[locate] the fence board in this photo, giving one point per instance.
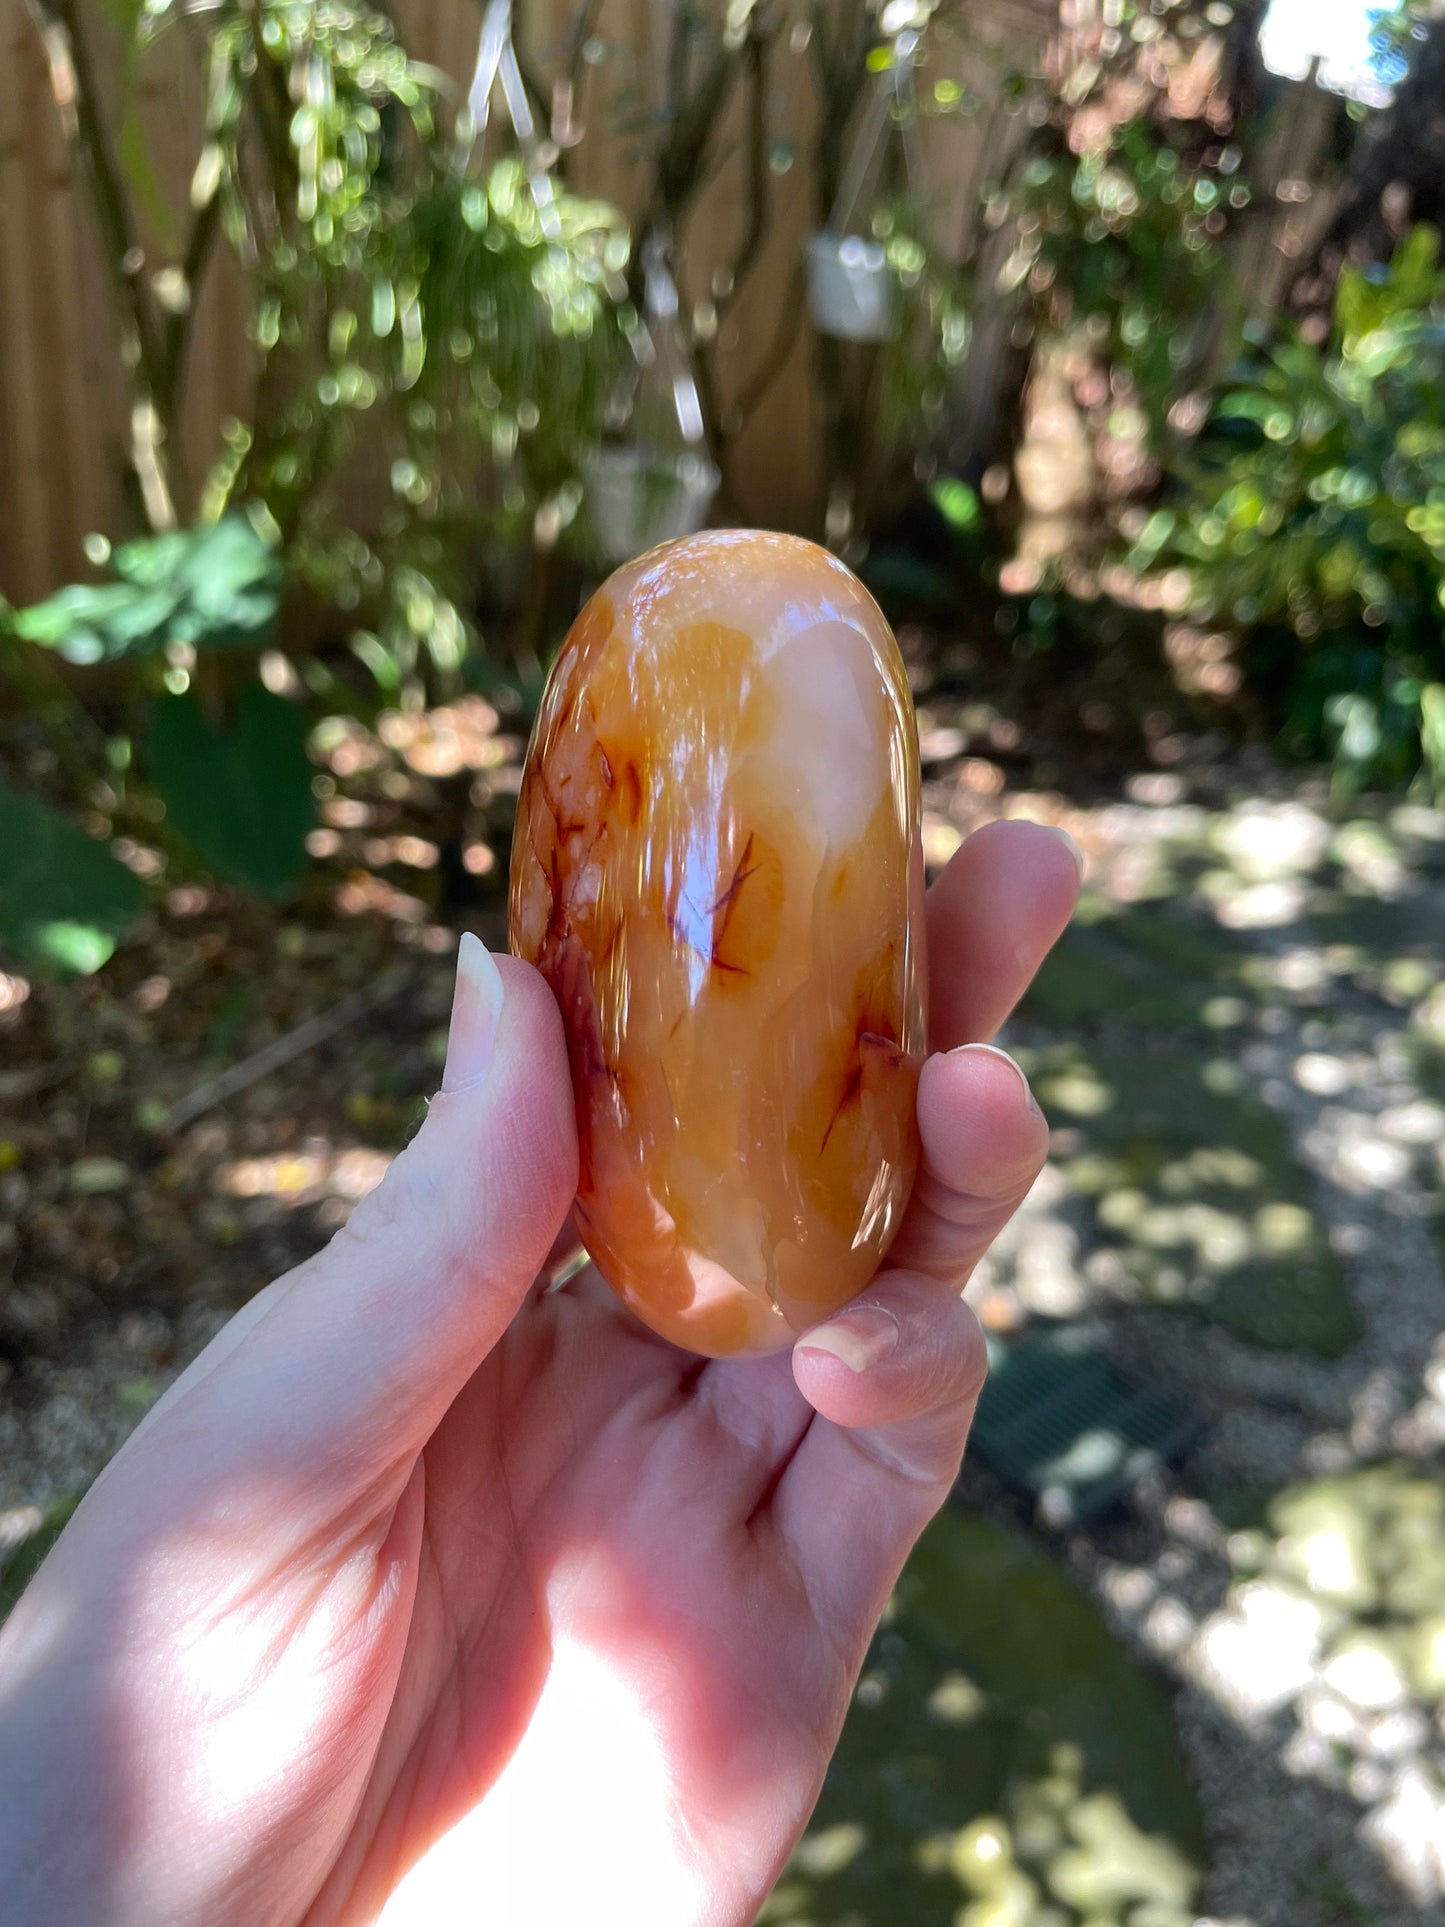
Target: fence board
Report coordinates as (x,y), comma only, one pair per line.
(62,396)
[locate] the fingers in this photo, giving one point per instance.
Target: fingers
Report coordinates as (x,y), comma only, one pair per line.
(354,1357)
(897,1373)
(993,915)
(900,1368)
(984,1141)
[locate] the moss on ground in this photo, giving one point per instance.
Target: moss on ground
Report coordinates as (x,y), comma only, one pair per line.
(1006,1763)
(1159,968)
(1190,1181)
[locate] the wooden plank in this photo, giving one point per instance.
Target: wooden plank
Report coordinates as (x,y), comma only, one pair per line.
(24,533)
(55,557)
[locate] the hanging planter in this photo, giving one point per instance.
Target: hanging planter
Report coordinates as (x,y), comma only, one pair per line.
(660,482)
(853,291)
(638,497)
(497,65)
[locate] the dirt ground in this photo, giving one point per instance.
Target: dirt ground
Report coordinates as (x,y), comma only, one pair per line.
(1240,1048)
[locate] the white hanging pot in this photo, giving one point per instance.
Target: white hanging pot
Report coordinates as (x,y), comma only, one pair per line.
(852,291)
(638,497)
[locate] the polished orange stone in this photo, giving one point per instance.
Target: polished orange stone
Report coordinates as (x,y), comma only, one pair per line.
(717,867)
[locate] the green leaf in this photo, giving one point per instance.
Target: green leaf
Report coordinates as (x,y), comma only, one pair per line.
(957,503)
(64,899)
(241,796)
(216,588)
(227,581)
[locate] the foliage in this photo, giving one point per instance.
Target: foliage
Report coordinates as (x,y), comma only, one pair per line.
(1122,243)
(218,586)
(64,899)
(449,324)
(437,333)
(934,331)
(1312,512)
(439,327)
(241,796)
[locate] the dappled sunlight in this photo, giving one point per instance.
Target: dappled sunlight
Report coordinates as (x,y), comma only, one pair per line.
(344,1174)
(1246,1126)
(1248,1117)
(1194,1196)
(1006,1764)
(1340,1622)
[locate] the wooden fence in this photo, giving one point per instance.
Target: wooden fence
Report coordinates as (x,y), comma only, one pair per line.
(63,402)
(63,396)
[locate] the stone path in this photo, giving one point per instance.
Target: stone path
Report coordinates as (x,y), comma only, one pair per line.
(1247,1187)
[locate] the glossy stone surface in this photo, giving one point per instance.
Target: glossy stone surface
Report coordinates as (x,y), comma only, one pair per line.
(717,868)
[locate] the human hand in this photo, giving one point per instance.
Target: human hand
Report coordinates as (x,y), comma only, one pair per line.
(427,1596)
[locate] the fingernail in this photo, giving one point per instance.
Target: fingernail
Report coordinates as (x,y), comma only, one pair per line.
(992,1050)
(860,1337)
(1069,844)
(476,1016)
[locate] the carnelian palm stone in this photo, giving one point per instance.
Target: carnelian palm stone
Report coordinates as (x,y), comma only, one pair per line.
(717,868)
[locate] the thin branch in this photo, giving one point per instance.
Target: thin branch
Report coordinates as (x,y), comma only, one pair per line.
(274,1057)
(72,82)
(580,34)
(750,247)
(273,110)
(781,348)
(180,324)
(756,51)
(680,175)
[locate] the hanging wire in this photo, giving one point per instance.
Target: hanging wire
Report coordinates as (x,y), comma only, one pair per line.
(497,62)
(661,305)
(659,345)
(892,99)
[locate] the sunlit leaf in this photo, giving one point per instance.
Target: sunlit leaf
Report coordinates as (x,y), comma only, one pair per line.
(216,588)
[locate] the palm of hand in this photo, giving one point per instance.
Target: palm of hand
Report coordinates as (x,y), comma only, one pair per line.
(612,1620)
(359,1627)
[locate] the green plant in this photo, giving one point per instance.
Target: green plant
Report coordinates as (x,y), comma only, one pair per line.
(240,796)
(432,357)
(1121,243)
(415,315)
(64,900)
(237,798)
(219,587)
(1311,514)
(435,335)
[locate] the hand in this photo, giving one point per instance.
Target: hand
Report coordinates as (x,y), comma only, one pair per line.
(426,1596)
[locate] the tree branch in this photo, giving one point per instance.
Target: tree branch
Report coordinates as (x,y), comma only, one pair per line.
(72,83)
(180,323)
(578,36)
(780,349)
(756,51)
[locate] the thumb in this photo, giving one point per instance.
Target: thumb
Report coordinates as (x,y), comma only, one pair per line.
(356,1355)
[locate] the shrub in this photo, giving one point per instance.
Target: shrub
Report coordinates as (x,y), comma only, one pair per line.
(1310,515)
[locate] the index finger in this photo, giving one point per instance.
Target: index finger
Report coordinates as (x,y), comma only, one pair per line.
(993,916)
